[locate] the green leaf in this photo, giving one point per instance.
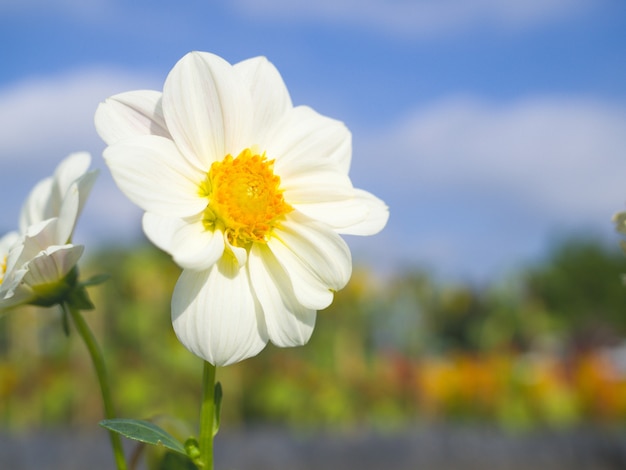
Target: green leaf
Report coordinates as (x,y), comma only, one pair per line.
(217,398)
(143,431)
(95,280)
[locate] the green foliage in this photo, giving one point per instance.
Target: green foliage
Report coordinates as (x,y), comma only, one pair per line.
(144,431)
(581,287)
(386,353)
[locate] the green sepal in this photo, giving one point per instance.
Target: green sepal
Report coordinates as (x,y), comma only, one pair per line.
(54,293)
(79,298)
(217,399)
(67,290)
(144,431)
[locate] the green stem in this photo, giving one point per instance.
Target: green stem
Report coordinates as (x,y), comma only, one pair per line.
(98,362)
(207,416)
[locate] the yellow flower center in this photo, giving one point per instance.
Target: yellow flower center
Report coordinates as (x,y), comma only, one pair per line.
(3,268)
(245,196)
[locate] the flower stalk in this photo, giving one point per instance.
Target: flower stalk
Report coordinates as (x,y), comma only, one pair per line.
(98,362)
(207,416)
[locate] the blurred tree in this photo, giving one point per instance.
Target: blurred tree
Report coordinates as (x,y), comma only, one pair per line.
(580,286)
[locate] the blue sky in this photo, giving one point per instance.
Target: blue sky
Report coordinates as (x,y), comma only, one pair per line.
(490,127)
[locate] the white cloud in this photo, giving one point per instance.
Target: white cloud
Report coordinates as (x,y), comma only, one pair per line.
(41,113)
(489,184)
(44,119)
(418,17)
(565,156)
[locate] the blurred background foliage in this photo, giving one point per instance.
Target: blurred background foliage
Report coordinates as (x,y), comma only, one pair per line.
(542,348)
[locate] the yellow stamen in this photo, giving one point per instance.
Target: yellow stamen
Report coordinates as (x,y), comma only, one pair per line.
(244,195)
(3,268)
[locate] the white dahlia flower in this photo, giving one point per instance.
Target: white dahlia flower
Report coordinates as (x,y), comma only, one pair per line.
(249,195)
(37,263)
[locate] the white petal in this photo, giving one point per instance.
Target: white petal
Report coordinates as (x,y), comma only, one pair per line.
(69,170)
(270,96)
(152,174)
(36,205)
(316,259)
(216,316)
(240,254)
(7,242)
(84,186)
(11,248)
(62,195)
(73,203)
(14,292)
(161,230)
(338,214)
(375,220)
(288,322)
(207,108)
(189,243)
(316,185)
(38,237)
(52,265)
(304,139)
(14,260)
(131,114)
(360,213)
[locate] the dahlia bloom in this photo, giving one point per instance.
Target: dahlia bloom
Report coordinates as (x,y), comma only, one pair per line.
(249,195)
(38,261)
